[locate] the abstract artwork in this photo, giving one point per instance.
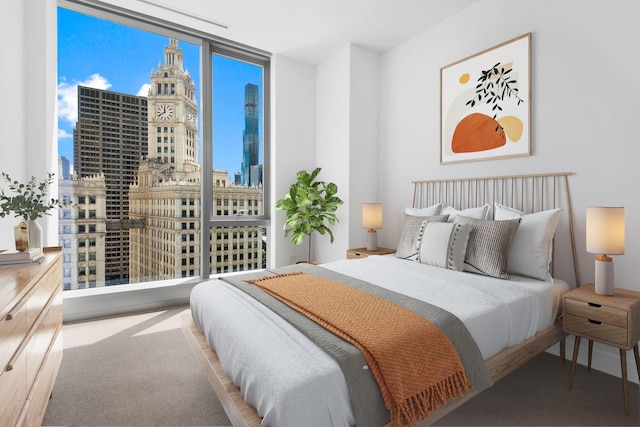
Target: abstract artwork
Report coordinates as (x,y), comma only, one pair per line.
(485,104)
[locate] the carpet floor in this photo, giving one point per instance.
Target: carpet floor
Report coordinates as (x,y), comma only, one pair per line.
(133,370)
(138,370)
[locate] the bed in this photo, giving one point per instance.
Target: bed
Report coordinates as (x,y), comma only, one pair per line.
(262,361)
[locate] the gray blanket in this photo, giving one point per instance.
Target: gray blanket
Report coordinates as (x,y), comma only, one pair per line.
(366,399)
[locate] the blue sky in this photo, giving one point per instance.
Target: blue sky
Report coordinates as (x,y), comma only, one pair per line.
(104,55)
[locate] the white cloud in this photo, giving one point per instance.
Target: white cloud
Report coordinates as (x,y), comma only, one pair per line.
(144,90)
(68,96)
(63,134)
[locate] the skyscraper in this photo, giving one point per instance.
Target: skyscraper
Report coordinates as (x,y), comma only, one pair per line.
(250,135)
(166,193)
(83,231)
(64,168)
(109,138)
(173,113)
(137,185)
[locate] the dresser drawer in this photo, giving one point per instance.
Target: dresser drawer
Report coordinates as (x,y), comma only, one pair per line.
(13,389)
(43,336)
(13,330)
(594,329)
(598,312)
(30,338)
(43,386)
(46,287)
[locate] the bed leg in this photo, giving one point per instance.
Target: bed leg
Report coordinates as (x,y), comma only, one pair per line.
(563,351)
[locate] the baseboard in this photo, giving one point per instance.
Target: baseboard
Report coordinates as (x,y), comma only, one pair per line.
(88,304)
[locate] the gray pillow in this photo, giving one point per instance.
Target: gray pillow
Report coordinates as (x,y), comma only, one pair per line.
(488,246)
(412,232)
(444,245)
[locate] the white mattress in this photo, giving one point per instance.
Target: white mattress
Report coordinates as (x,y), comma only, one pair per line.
(291,381)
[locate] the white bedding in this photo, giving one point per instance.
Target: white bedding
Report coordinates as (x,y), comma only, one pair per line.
(292,382)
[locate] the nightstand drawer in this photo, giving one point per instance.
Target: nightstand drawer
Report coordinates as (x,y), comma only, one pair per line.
(598,312)
(364,252)
(356,255)
(594,329)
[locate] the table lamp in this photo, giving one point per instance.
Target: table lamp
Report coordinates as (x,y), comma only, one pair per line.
(372,219)
(605,236)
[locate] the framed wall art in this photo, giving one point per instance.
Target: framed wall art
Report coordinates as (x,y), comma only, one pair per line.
(485,110)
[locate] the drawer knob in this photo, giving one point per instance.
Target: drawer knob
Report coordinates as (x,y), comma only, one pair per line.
(591,304)
(595,322)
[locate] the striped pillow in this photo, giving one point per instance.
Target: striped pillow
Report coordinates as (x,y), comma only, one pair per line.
(444,245)
(488,246)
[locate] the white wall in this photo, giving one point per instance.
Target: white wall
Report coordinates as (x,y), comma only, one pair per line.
(332,145)
(363,147)
(347,142)
(585,109)
(293,144)
(29,144)
(12,28)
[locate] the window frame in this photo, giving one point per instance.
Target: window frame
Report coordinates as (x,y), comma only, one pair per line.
(209,45)
(214,220)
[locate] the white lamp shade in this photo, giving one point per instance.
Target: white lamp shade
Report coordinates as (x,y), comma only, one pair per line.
(372,215)
(605,230)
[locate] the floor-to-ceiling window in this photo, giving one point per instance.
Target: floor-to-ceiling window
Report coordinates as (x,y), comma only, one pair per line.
(238,159)
(156,145)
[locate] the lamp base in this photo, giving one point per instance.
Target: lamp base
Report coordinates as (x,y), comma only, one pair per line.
(372,240)
(604,275)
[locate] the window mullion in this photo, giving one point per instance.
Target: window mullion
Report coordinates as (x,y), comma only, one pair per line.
(206,137)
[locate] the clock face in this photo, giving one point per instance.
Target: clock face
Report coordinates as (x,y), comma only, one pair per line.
(164,111)
(191,117)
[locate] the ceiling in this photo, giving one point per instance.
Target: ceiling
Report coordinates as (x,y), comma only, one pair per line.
(309,30)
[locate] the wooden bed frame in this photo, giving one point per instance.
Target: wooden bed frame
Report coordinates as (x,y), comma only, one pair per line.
(528,193)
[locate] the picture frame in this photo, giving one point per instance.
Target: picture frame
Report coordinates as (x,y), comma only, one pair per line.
(485,104)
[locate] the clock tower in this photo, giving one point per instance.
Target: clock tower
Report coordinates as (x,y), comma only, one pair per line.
(173,112)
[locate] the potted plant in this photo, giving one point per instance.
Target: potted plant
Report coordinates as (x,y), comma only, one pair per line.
(310,205)
(29,201)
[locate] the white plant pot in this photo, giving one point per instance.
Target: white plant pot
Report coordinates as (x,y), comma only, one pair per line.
(35,234)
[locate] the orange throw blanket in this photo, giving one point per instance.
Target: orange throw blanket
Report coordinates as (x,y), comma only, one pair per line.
(414,363)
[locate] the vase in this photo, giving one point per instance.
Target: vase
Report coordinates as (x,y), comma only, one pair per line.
(28,234)
(35,234)
(21,234)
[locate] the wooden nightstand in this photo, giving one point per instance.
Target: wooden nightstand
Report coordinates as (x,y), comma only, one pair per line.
(363,252)
(613,320)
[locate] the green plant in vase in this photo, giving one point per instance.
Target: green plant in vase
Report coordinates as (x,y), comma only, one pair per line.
(28,201)
(310,206)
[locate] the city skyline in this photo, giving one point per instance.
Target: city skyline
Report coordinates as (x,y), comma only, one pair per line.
(138,214)
(96,53)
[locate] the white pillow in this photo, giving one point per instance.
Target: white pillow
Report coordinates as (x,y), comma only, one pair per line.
(428,211)
(531,252)
(481,212)
(444,245)
(412,228)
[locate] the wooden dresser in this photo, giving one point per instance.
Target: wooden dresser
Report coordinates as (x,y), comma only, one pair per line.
(30,338)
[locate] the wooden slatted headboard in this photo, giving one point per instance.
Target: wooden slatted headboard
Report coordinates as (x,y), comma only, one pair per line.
(527,193)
